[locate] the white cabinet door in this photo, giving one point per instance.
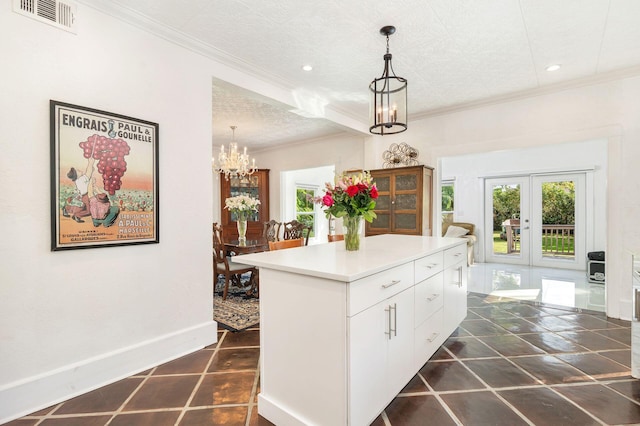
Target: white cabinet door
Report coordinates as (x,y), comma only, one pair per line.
(400,344)
(455,296)
(380,355)
(367,364)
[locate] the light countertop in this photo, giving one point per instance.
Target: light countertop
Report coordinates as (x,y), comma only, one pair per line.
(332,261)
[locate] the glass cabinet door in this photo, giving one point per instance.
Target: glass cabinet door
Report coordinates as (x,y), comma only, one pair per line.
(247,185)
(406,202)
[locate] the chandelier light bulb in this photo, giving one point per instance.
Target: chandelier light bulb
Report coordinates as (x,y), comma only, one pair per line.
(232,163)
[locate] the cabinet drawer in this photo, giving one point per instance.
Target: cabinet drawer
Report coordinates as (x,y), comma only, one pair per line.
(428,266)
(368,291)
(428,297)
(455,255)
(428,337)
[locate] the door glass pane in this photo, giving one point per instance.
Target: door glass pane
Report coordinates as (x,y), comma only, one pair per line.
(381,221)
(246,185)
(383,183)
(506,219)
(383,202)
(406,202)
(406,221)
(558,219)
(406,182)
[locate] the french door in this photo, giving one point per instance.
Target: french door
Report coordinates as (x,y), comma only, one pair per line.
(537,220)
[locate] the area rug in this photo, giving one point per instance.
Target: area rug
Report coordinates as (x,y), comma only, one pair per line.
(238,311)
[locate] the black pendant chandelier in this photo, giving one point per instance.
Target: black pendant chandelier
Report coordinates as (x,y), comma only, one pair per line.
(389,103)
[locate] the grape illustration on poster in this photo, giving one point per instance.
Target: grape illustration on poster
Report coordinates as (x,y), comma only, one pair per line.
(105,189)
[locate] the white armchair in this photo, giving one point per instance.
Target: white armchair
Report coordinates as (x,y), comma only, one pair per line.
(469,236)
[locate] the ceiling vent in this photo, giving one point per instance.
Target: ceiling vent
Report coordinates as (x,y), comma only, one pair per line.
(59,13)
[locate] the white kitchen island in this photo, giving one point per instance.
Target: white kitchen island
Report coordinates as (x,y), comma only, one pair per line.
(341,333)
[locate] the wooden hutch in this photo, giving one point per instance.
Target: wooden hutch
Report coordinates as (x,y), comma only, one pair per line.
(255,185)
(405,201)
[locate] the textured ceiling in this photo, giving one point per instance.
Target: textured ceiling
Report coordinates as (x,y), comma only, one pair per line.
(453,52)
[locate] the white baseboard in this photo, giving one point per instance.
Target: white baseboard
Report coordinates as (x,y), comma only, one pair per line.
(31,394)
(277,414)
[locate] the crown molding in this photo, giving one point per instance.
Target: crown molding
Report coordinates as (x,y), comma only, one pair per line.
(192,44)
(545,90)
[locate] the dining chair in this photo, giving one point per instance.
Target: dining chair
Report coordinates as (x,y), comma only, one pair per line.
(335,237)
(285,244)
(224,265)
(271,231)
(294,230)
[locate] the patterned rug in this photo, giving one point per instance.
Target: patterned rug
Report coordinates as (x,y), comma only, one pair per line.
(238,311)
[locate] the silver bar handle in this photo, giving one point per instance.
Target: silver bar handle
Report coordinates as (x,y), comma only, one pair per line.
(433,337)
(430,266)
(395,321)
(636,304)
(388,311)
(460,276)
(392,283)
(433,297)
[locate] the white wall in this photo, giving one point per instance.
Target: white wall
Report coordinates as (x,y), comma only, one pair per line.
(470,170)
(345,152)
(71,321)
(605,110)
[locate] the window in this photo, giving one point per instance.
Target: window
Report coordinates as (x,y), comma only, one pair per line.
(447,190)
(305,207)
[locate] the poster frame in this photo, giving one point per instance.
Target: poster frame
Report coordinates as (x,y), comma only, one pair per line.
(131,223)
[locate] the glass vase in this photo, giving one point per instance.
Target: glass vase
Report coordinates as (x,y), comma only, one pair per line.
(351,227)
(242,230)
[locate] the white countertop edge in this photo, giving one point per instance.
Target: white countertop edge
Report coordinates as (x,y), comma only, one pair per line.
(286,262)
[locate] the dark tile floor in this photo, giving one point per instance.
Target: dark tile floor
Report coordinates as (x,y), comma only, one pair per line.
(509,363)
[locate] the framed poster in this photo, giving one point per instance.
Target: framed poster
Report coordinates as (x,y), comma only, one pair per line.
(104,179)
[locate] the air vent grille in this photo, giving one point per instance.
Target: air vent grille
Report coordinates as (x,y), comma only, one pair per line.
(59,13)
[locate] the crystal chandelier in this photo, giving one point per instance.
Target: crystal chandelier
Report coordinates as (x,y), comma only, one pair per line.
(389,97)
(232,163)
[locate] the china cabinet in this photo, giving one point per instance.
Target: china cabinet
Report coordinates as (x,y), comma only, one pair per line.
(404,204)
(255,185)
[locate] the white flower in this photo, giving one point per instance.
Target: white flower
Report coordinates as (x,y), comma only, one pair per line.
(241,203)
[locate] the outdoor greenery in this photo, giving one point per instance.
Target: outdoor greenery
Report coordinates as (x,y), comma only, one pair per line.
(549,245)
(305,211)
(447,198)
(558,203)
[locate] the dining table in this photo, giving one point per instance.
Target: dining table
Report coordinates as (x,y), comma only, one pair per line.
(234,247)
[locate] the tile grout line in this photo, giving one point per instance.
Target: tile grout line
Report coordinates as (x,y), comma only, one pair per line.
(253,395)
(552,388)
(214,352)
(543,385)
(444,405)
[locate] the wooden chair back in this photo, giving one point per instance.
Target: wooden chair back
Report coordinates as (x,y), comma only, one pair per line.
(336,237)
(294,230)
(271,230)
(223,266)
(285,244)
(219,254)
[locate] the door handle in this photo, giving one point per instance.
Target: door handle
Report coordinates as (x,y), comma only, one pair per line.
(636,304)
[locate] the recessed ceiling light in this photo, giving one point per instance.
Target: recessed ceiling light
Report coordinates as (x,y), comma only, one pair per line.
(553,67)
(307,67)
